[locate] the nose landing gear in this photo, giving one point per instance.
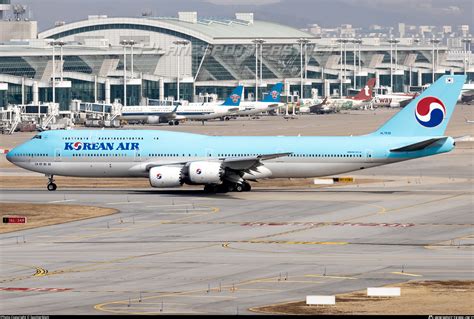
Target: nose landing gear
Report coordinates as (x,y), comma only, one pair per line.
(51,185)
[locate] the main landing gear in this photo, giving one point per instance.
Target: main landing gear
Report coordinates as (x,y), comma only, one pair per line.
(228,187)
(51,185)
(175,122)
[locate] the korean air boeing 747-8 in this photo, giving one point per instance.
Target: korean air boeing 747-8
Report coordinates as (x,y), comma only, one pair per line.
(227,163)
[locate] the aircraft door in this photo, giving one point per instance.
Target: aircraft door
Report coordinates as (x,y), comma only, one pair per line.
(57,155)
(369,155)
(137,156)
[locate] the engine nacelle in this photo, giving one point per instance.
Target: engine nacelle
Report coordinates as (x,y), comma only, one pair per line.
(394,104)
(166,176)
(205,172)
(258,173)
(153,119)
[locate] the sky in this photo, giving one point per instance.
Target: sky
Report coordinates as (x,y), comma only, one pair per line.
(297,13)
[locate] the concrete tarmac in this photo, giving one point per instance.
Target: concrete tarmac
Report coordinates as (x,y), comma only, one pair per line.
(187,252)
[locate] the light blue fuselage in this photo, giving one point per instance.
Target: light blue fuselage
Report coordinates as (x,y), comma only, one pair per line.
(128,153)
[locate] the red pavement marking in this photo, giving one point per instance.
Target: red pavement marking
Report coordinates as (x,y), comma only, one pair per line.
(34,289)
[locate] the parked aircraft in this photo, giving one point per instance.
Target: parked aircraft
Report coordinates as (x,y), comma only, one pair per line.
(173,114)
(467,93)
(318,108)
(393,99)
(212,110)
(363,98)
(269,103)
(152,114)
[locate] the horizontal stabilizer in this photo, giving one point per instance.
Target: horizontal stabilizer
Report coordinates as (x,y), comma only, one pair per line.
(419,146)
(464,138)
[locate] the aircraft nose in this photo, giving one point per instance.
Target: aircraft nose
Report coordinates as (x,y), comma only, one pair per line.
(9,156)
(12,154)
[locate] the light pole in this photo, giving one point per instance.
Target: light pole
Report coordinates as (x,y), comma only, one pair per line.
(417,42)
(256,70)
(340,69)
(354,42)
(358,42)
(54,72)
(257,42)
(302,42)
(125,43)
(466,48)
(131,43)
(261,60)
(61,44)
(434,67)
(345,60)
(178,43)
(342,74)
(54,44)
(392,41)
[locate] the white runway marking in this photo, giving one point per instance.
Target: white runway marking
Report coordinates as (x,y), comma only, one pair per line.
(185,213)
(155,206)
(62,201)
(191,209)
(121,203)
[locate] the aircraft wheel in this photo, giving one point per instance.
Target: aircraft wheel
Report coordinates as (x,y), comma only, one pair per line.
(223,188)
(170,123)
(247,187)
(52,187)
(176,122)
(238,188)
(209,188)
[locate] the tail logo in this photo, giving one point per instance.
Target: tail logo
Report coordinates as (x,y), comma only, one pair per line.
(366,91)
(235,98)
(274,94)
(430,111)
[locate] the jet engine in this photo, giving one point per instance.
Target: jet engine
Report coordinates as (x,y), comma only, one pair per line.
(395,104)
(166,176)
(153,119)
(257,173)
(205,172)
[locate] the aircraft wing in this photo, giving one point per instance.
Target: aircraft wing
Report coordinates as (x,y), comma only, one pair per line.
(171,114)
(239,163)
(419,145)
(247,162)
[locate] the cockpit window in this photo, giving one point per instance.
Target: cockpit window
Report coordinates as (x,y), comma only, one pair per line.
(36,136)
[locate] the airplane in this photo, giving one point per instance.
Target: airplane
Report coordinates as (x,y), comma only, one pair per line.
(152,114)
(363,98)
(467,93)
(179,111)
(228,163)
(212,110)
(269,103)
(393,99)
(318,108)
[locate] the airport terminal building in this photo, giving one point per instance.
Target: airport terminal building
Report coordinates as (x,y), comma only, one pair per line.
(209,55)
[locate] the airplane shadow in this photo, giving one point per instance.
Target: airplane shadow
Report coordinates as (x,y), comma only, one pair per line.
(200,193)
